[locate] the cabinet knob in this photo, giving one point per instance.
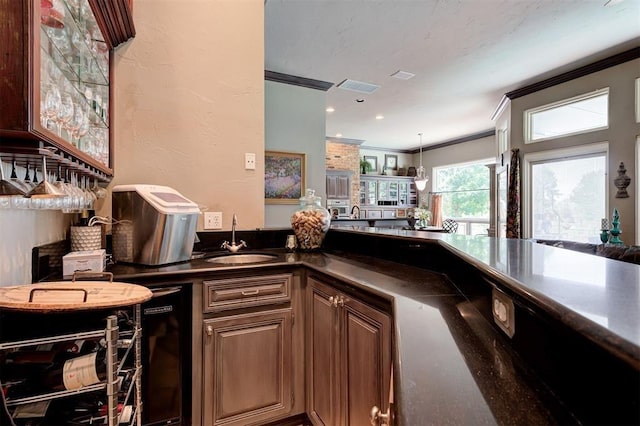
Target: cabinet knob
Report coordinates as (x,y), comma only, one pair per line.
(209,330)
(378,418)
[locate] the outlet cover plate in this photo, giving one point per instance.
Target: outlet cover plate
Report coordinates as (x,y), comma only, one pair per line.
(250,161)
(503,312)
(212,220)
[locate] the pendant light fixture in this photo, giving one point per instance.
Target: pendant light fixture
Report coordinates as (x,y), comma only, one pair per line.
(420,179)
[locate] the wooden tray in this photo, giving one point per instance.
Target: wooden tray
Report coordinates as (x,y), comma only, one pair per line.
(72,296)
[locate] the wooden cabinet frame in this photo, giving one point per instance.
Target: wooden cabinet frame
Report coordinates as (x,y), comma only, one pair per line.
(349,357)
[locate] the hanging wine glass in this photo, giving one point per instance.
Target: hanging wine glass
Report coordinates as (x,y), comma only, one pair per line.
(8,191)
(89,194)
(62,202)
(27,179)
(98,190)
(44,193)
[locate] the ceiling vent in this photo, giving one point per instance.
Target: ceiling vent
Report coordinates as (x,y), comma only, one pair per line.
(358,86)
(402,75)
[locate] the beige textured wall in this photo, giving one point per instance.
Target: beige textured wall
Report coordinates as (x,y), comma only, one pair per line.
(189,103)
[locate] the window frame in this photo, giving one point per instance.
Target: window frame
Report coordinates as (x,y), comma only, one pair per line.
(556,155)
(528,115)
(467,222)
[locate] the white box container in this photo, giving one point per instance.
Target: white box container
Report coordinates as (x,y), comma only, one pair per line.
(83,261)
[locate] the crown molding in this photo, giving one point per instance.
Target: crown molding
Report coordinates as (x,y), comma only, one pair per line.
(600,65)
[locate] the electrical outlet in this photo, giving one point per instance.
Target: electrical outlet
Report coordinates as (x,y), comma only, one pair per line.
(503,312)
(249,161)
(212,220)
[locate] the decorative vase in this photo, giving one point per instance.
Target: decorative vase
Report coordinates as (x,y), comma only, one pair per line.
(604,236)
(622,182)
(615,229)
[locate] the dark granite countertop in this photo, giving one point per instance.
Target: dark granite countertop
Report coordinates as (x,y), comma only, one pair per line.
(451,365)
(598,296)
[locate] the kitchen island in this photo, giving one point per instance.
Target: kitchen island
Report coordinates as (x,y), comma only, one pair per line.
(574,351)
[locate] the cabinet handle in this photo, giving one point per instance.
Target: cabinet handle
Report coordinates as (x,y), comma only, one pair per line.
(250,293)
(336,301)
(378,418)
(209,330)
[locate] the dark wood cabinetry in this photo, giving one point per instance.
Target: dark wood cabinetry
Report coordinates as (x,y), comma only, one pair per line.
(349,357)
(55,57)
(248,367)
(252,349)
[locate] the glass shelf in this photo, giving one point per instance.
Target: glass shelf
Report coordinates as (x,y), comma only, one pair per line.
(74,78)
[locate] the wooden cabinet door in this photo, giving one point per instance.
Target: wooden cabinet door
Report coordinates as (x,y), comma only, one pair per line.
(365,361)
(349,358)
(323,375)
(247,368)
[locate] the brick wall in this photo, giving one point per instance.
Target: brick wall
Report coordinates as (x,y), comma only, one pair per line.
(341,156)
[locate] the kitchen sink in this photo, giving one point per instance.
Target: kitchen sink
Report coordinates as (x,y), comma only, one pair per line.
(235,259)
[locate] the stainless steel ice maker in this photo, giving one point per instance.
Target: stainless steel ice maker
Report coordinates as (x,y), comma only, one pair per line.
(155,225)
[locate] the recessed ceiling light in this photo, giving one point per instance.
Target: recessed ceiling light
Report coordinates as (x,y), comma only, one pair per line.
(359,100)
(330,109)
(338,135)
(403,75)
(379,117)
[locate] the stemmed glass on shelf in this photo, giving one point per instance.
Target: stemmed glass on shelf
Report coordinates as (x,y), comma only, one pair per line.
(65,113)
(73,125)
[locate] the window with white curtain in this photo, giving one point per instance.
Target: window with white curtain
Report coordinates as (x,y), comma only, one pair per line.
(580,114)
(565,193)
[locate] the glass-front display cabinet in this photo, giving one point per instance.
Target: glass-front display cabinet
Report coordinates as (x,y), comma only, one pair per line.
(368,192)
(55,97)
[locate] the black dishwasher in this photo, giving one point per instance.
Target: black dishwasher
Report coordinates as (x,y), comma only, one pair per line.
(166,388)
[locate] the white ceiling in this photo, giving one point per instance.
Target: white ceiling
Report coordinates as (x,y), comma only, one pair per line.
(466,55)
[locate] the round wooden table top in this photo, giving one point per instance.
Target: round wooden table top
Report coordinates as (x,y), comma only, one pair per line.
(72,296)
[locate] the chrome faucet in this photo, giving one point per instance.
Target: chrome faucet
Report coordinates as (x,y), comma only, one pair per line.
(353,215)
(233,247)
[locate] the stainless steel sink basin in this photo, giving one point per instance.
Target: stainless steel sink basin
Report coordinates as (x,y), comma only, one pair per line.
(235,259)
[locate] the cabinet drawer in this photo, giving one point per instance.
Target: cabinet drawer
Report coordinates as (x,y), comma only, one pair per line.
(235,293)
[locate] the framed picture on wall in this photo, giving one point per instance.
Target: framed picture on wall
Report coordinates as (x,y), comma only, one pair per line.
(373,162)
(391,161)
(284,177)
